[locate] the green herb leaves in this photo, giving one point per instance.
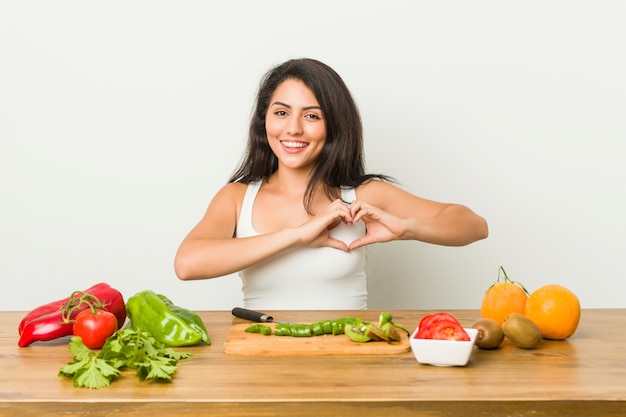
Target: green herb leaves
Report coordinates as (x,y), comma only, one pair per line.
(131,348)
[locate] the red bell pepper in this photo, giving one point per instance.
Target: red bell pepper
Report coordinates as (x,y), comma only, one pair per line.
(48,322)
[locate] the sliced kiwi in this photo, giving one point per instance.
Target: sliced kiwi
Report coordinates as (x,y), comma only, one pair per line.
(490,333)
(376,334)
(357,332)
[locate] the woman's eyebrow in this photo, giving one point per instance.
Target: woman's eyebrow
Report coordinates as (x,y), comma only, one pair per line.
(280,103)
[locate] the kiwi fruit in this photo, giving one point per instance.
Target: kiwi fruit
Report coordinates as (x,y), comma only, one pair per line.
(357,332)
(522,331)
(490,333)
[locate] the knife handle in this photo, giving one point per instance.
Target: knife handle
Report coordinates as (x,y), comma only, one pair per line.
(244,313)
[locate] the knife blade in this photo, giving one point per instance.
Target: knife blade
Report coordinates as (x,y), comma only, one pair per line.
(244,313)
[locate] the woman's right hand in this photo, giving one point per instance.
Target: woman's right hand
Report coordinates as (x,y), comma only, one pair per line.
(315,232)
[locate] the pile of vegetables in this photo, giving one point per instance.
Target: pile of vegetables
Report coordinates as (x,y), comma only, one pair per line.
(355,328)
(95,319)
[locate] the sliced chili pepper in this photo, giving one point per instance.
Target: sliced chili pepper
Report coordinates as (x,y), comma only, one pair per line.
(301,330)
(282,329)
(259,328)
(317,329)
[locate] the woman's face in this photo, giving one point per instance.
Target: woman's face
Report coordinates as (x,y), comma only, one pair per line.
(295,126)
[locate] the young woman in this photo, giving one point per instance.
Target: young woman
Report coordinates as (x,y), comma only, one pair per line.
(296,215)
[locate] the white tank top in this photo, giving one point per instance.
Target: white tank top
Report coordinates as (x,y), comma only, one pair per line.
(305,278)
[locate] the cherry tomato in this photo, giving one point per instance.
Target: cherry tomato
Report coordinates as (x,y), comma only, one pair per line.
(449,330)
(94,329)
(427,324)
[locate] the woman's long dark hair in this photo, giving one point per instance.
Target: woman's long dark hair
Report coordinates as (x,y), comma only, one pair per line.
(341,162)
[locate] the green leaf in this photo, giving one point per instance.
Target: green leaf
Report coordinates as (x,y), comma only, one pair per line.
(97,374)
(73,367)
(79,350)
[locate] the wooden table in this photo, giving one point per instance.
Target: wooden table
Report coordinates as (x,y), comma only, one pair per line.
(583,376)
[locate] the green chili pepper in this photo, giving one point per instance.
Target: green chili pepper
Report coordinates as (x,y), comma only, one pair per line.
(282,329)
(317,329)
(259,328)
(301,330)
(190,317)
(332,327)
(149,312)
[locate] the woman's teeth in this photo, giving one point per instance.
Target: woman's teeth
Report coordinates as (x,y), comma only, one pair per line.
(294,144)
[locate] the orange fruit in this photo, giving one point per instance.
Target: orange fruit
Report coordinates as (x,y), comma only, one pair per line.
(555,310)
(503,298)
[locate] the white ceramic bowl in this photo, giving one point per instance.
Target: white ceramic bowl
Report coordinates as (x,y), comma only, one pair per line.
(443,352)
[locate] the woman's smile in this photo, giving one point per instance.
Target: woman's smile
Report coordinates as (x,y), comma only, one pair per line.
(293,146)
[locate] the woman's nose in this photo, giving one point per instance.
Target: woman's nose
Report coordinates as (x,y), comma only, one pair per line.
(294,125)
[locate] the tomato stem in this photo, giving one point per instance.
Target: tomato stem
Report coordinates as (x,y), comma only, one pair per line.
(77,299)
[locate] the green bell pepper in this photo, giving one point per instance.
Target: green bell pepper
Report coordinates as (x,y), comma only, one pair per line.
(190,317)
(169,324)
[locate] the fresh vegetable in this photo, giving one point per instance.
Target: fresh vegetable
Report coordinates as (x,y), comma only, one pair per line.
(169,324)
(426,324)
(94,326)
(449,330)
(334,327)
(128,348)
(259,328)
(355,328)
(190,317)
(441,326)
(52,321)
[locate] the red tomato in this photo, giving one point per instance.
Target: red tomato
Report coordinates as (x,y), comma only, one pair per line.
(449,330)
(94,329)
(428,322)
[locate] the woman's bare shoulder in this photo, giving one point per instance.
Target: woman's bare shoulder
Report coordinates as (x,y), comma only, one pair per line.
(374,186)
(233,191)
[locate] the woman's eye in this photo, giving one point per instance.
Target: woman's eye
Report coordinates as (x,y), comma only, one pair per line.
(312,116)
(280,113)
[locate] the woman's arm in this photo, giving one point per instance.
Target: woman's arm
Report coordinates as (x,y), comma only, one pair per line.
(391,213)
(211,250)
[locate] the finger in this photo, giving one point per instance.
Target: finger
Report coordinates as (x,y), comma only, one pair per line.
(344,212)
(336,244)
(360,242)
(361,212)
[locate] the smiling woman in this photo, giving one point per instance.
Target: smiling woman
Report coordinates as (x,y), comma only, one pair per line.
(297,214)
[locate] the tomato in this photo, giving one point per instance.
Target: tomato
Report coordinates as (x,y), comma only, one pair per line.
(449,330)
(428,322)
(95,328)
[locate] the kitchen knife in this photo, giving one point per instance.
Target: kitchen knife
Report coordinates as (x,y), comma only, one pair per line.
(244,313)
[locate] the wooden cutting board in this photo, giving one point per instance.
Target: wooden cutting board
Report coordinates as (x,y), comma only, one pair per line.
(239,342)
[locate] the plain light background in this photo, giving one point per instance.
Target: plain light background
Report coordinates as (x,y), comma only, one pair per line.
(120,120)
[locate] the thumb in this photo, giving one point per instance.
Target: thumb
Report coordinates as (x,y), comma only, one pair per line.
(362,241)
(337,244)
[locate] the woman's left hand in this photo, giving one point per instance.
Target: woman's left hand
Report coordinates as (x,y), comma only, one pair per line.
(380,225)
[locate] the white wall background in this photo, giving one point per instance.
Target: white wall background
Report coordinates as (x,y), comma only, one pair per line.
(120,120)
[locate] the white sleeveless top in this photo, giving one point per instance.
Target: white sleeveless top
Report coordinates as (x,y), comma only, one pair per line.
(305,278)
